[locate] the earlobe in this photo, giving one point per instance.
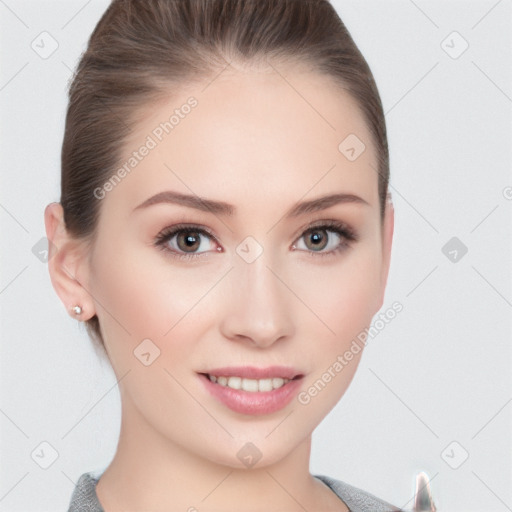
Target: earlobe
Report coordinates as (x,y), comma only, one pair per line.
(66,265)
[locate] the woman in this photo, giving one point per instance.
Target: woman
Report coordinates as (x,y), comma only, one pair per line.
(225,232)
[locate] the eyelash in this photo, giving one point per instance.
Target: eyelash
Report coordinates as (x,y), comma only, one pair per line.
(348,235)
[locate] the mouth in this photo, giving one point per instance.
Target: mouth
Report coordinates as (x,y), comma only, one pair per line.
(250,385)
(253,391)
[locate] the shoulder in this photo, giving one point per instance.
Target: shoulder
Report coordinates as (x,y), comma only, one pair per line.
(84,498)
(356,499)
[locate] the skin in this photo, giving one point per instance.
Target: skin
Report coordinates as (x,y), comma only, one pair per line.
(255,143)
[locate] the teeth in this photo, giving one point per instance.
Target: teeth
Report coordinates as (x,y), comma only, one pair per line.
(251,385)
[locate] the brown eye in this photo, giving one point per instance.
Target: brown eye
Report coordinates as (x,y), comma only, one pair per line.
(188,241)
(326,239)
(316,239)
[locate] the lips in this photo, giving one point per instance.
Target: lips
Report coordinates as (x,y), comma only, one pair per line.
(265,400)
(252,372)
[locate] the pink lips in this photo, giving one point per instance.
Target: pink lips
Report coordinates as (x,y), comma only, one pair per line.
(251,372)
(254,403)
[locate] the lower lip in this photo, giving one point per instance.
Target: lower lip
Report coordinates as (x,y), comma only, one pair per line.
(253,403)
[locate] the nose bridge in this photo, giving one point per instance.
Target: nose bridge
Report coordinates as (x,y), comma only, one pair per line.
(259,306)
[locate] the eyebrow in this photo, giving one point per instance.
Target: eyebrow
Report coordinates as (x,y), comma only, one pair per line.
(226,209)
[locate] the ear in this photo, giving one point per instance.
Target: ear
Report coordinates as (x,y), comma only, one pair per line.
(388,227)
(67,264)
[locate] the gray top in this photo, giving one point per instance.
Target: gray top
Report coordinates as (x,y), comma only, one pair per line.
(84,497)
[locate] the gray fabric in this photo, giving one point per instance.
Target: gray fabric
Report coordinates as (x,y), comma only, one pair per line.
(356,499)
(84,498)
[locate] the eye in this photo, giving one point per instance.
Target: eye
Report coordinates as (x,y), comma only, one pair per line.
(185,241)
(326,239)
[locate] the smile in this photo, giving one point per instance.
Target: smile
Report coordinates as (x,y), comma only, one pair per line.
(250,385)
(252,396)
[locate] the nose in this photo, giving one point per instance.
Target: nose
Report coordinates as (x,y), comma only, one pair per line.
(258,305)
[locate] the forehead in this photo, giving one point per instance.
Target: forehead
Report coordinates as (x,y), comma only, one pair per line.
(259,135)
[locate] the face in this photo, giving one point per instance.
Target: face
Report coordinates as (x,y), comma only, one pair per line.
(253,279)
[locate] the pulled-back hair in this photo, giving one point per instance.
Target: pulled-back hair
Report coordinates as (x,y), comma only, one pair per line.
(141,49)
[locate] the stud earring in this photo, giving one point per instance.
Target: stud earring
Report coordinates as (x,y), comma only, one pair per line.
(77,310)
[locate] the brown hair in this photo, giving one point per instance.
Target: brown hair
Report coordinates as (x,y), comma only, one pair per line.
(141,48)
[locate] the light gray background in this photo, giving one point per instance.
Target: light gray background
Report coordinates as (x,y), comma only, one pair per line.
(439,372)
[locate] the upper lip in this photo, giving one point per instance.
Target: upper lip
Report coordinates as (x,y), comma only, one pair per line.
(252,372)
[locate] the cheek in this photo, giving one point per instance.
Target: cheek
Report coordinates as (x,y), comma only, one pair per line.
(345,296)
(145,293)
(345,299)
(144,296)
